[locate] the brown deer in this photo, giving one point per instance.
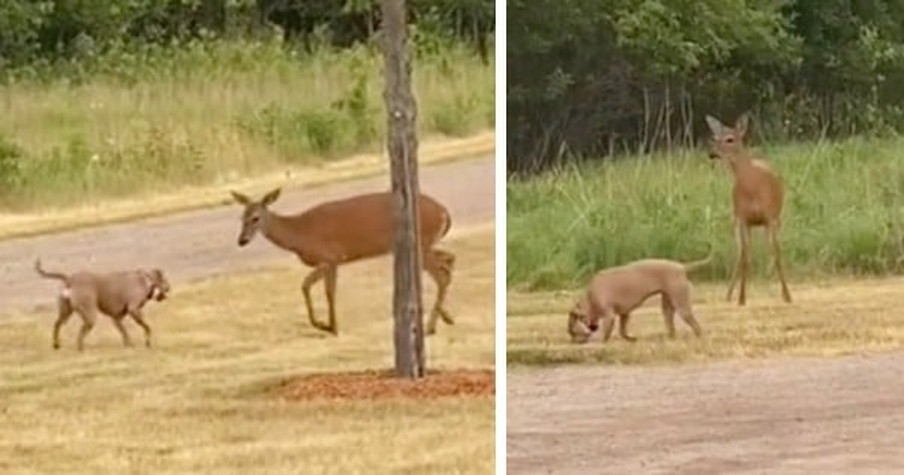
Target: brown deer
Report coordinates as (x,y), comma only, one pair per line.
(347,230)
(757,198)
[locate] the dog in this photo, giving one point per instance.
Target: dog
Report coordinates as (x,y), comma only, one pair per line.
(114,294)
(617,291)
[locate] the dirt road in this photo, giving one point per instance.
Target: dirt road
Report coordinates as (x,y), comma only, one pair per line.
(202,243)
(841,415)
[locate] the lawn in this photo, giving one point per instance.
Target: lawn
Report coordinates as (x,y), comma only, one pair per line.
(199,401)
(829,317)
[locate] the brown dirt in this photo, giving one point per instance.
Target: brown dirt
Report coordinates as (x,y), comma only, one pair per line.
(200,244)
(801,415)
(382,384)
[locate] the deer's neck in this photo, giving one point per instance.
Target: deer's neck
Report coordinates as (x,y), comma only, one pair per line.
(282,232)
(741,165)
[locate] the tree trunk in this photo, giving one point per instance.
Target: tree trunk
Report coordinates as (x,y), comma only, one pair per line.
(402,147)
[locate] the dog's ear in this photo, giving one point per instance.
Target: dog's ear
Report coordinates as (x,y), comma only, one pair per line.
(159,275)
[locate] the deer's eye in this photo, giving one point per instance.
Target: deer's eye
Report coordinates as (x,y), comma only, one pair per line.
(729,140)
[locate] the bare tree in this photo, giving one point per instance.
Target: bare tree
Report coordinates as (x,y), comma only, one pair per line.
(402,144)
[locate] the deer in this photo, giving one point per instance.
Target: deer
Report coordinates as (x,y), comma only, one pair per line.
(757,200)
(343,231)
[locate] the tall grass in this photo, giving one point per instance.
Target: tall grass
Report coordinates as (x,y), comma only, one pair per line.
(844,213)
(160,117)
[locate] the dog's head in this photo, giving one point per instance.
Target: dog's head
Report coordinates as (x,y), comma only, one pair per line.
(254,213)
(158,284)
(580,324)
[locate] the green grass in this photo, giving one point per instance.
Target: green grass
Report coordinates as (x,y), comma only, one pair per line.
(197,402)
(828,318)
(844,214)
(133,122)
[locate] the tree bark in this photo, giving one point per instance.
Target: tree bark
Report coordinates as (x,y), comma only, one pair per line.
(402,147)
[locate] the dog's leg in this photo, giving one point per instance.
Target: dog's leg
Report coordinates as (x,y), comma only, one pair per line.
(682,302)
(608,325)
(126,341)
(64,311)
(139,319)
(88,319)
(623,327)
(668,313)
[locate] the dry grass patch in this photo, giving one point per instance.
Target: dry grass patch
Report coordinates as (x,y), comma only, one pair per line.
(828,318)
(199,402)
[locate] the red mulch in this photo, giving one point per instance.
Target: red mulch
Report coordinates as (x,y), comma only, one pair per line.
(382,384)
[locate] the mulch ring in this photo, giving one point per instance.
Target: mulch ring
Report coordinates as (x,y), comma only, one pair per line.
(383,384)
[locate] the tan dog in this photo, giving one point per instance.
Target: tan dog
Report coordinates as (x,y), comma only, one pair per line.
(617,291)
(115,294)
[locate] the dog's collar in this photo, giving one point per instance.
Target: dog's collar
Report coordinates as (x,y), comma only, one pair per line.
(149,283)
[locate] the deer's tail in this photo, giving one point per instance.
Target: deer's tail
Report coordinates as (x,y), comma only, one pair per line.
(692,266)
(50,275)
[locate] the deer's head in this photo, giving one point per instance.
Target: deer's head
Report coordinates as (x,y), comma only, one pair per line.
(726,141)
(254,213)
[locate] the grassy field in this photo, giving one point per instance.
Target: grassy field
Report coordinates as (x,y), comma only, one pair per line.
(208,113)
(844,214)
(833,316)
(196,403)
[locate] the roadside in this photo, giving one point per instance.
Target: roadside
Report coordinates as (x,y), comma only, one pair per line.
(436,151)
(202,243)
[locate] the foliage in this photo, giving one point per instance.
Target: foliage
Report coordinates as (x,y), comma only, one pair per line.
(52,30)
(596,77)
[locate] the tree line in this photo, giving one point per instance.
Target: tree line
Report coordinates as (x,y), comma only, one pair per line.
(53,30)
(611,77)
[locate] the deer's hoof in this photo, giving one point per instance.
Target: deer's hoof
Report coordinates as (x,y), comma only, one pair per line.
(446,316)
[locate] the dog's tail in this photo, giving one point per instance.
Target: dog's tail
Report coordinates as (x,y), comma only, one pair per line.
(50,275)
(692,266)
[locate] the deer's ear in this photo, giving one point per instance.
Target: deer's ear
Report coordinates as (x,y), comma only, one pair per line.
(741,124)
(240,198)
(271,197)
(714,125)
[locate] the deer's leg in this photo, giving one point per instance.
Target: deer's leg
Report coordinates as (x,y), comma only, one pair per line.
(330,275)
(742,238)
(772,232)
(439,265)
(309,281)
(64,311)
